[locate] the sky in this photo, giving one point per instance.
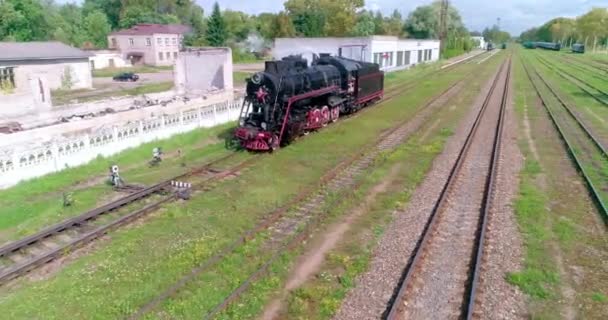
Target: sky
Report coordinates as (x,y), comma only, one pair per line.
(515,15)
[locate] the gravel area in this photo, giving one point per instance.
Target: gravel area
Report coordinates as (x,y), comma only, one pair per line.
(374,288)
(504,248)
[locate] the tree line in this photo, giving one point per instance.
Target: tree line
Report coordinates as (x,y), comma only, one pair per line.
(88,24)
(590,29)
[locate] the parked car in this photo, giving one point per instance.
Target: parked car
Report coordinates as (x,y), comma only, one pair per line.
(126,76)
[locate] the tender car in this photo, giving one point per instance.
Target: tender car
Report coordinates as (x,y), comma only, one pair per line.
(126,76)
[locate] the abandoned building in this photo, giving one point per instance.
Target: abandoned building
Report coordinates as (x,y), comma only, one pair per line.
(203,70)
(29,70)
(151,44)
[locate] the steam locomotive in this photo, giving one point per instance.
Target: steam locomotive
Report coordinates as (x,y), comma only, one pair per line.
(290,98)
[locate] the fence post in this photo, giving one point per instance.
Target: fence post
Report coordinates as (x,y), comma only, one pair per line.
(200,116)
(214,114)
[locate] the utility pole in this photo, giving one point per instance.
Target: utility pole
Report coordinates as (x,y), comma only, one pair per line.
(443,32)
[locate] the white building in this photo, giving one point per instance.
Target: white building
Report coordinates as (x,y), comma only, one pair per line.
(151,44)
(480,41)
(202,70)
(108,59)
(390,52)
(29,70)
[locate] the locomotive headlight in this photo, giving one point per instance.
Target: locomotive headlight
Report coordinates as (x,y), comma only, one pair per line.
(263,124)
(257,78)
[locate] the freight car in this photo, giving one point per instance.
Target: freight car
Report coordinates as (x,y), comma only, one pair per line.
(549,45)
(490,46)
(578,48)
(290,98)
(529,45)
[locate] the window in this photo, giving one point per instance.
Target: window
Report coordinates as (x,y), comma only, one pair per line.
(390,59)
(377,58)
(131,41)
(168,54)
(160,56)
(148,42)
(419,56)
(174,41)
(399,58)
(166,41)
(7,77)
(407,58)
(114,44)
(159,41)
(175,55)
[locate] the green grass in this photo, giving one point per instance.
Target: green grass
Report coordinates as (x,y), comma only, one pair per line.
(61,97)
(140,262)
(38,201)
(563,237)
(239,77)
(539,277)
(110,72)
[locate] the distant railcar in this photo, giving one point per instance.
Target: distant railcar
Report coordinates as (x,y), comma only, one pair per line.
(529,45)
(555,46)
(503,46)
(490,46)
(578,48)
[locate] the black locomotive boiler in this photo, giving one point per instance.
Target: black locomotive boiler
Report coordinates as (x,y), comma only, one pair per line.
(290,98)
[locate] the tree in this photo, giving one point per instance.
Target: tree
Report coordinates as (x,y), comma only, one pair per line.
(111,8)
(423,22)
(26,20)
(98,27)
(394,24)
(238,25)
(216,28)
(379,23)
(265,24)
(314,18)
(365,25)
(283,27)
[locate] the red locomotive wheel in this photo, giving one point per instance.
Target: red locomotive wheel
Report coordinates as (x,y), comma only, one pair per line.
(325,116)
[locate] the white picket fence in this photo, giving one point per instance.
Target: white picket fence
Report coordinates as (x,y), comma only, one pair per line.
(17,164)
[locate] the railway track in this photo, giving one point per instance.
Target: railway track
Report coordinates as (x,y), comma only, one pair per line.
(292,223)
(24,255)
(585,86)
(585,148)
(441,277)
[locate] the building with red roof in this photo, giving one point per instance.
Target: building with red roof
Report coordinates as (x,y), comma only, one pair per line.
(151,44)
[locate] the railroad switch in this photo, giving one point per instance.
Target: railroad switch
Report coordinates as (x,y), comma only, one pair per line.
(115,179)
(183,190)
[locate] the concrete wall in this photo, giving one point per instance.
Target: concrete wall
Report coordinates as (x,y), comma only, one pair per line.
(151,46)
(198,71)
(53,71)
(107,58)
(22,161)
(358,48)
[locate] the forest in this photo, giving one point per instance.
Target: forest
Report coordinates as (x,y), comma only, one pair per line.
(590,29)
(88,24)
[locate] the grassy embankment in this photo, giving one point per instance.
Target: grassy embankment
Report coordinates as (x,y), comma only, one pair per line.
(564,238)
(141,261)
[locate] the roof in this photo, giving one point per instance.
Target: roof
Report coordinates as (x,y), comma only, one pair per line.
(12,51)
(150,29)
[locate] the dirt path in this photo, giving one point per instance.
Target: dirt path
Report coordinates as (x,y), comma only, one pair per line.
(310,263)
